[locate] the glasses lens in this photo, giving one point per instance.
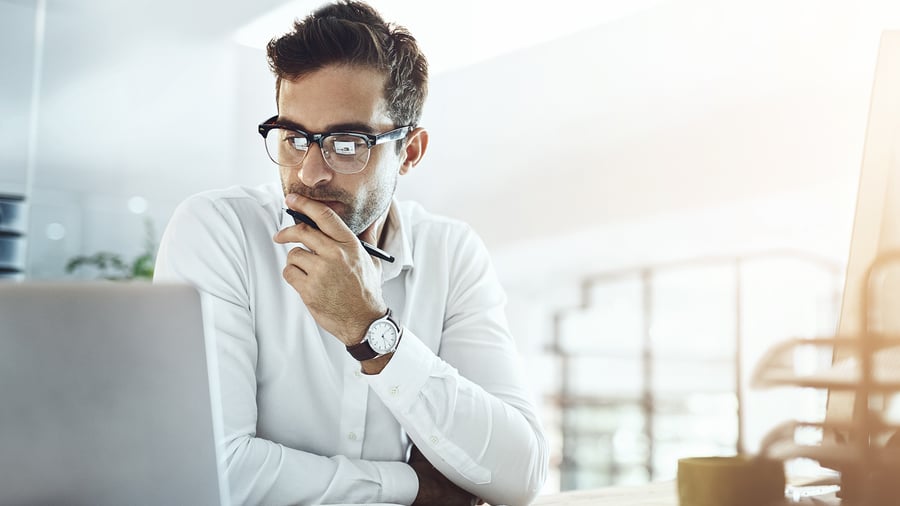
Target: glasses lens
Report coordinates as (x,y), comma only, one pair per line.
(347,154)
(286,147)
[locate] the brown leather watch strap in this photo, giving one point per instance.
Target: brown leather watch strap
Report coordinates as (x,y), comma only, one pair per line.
(362,351)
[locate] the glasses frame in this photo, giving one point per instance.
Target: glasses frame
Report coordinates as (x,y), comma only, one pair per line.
(371,140)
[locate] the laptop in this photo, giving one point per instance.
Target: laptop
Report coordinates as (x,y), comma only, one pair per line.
(106,396)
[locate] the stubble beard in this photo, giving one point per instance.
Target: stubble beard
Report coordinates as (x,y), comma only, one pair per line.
(358,216)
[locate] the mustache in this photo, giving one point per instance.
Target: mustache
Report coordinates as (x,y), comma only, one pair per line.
(320,193)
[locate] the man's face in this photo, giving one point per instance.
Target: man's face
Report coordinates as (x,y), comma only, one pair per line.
(346,99)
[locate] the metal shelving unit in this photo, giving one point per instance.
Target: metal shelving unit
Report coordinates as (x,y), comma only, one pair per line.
(616,438)
(865,447)
(12,237)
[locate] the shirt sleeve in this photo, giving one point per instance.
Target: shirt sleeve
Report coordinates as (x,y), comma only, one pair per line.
(467,407)
(203,246)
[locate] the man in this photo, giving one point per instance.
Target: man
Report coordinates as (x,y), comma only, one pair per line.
(346,378)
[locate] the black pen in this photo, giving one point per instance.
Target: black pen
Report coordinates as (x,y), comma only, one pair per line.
(372,250)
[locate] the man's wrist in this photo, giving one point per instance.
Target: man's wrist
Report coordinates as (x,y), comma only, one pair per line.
(376,365)
(357,333)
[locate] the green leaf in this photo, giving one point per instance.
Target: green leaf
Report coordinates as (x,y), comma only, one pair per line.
(143,266)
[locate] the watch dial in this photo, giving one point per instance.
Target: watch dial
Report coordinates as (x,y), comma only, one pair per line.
(382,337)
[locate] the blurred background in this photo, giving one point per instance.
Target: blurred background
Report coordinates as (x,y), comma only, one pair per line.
(666,186)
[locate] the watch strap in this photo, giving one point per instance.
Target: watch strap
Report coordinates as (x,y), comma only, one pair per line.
(362,351)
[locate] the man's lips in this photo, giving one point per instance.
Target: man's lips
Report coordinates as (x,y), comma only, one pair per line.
(328,202)
(333,204)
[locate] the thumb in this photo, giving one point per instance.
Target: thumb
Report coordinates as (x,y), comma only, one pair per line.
(368,235)
(374,231)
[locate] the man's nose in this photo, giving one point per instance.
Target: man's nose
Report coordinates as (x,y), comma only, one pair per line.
(314,170)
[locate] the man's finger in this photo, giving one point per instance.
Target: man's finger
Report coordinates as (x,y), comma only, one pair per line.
(325,218)
(301,233)
(302,259)
(293,274)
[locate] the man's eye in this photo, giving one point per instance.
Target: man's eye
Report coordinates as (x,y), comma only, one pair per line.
(345,147)
(297,142)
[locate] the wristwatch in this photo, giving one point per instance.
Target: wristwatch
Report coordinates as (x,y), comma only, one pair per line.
(381,338)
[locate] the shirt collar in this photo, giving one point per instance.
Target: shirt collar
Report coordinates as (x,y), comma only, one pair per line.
(396,242)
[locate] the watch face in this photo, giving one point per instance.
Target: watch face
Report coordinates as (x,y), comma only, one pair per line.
(382,337)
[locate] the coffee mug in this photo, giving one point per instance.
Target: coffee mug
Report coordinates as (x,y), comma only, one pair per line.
(730,481)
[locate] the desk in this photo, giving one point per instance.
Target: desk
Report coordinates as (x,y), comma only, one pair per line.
(655,494)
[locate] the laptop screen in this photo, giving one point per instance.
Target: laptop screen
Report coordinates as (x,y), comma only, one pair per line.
(105,396)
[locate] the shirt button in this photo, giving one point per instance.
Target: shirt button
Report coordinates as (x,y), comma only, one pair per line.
(351,436)
(434,440)
(358,374)
(395,390)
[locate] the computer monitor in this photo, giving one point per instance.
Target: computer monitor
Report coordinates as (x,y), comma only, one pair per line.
(873,304)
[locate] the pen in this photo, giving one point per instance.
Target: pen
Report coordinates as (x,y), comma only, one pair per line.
(370,249)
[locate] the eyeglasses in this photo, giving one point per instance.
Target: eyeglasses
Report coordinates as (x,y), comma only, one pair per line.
(344,152)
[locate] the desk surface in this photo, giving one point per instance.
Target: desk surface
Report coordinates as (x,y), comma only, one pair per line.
(654,494)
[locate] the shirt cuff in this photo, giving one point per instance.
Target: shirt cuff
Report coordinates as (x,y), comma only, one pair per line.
(399,383)
(399,483)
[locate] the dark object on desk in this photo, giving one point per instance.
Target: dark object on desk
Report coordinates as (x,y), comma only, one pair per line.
(872,480)
(372,250)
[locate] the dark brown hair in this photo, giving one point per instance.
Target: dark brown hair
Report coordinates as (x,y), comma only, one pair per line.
(353,33)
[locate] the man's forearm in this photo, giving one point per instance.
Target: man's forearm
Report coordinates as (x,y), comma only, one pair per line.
(480,442)
(376,365)
(434,487)
(262,472)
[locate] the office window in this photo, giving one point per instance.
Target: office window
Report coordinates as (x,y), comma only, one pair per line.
(648,368)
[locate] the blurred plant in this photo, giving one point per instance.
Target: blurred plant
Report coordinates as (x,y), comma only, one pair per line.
(111,265)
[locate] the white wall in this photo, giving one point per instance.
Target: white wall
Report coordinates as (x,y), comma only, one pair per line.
(16,54)
(137,99)
(688,106)
(692,127)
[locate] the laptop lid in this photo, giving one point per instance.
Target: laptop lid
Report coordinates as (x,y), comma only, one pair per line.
(105,396)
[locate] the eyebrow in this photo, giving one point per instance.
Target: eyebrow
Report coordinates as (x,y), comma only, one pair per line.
(338,127)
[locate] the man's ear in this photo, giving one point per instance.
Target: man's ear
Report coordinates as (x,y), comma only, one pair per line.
(416,144)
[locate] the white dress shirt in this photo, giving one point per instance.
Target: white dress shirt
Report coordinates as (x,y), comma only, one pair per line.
(302,424)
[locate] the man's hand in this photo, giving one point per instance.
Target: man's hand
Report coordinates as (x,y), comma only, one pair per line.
(434,487)
(337,280)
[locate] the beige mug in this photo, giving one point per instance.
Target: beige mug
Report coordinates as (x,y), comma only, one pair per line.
(730,481)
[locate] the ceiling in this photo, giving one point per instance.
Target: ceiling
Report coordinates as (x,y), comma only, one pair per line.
(471,31)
